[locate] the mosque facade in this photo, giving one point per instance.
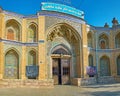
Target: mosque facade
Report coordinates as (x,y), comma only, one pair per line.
(56,48)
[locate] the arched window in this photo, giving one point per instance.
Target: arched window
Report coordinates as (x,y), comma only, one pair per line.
(118,65)
(89,40)
(10,34)
(117,41)
(11,65)
(32,33)
(105,66)
(32,58)
(13,30)
(90,57)
(103,42)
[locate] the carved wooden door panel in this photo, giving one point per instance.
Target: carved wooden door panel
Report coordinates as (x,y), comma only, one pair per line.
(65,64)
(55,70)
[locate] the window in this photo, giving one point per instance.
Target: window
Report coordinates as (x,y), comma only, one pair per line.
(103,42)
(89,40)
(13,30)
(117,41)
(32,58)
(90,60)
(32,33)
(10,34)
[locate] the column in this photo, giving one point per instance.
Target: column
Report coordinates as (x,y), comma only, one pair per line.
(42,48)
(85,49)
(2,54)
(23,63)
(2,59)
(2,25)
(24,51)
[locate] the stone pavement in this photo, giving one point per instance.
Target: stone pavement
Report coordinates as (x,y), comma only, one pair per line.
(64,90)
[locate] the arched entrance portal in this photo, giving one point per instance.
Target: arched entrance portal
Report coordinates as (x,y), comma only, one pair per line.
(61,66)
(64,55)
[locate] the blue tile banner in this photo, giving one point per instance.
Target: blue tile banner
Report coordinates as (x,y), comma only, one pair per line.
(32,71)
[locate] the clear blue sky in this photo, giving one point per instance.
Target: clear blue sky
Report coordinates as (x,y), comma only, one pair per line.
(97,12)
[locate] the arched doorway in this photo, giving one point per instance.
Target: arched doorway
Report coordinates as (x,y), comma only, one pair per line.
(68,52)
(11,65)
(61,66)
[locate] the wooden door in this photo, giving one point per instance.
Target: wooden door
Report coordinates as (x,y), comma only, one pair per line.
(65,64)
(61,71)
(55,70)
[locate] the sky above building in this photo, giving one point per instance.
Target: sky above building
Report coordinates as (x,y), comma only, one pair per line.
(97,12)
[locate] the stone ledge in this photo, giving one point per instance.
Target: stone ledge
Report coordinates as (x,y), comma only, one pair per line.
(94,80)
(83,81)
(106,80)
(48,83)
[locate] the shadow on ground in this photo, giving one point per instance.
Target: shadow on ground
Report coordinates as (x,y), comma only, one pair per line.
(101,93)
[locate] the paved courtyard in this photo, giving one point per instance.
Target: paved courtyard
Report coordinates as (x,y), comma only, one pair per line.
(65,90)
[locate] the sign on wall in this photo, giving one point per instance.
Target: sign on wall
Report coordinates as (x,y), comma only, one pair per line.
(62,8)
(91,70)
(32,71)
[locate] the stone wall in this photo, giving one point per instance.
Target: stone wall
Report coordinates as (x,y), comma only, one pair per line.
(117,79)
(88,81)
(94,80)
(83,81)
(106,80)
(26,83)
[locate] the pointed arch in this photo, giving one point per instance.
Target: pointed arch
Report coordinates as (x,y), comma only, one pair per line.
(11,65)
(103,41)
(89,40)
(13,30)
(90,61)
(105,66)
(66,29)
(118,65)
(32,58)
(62,33)
(61,49)
(32,32)
(117,40)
